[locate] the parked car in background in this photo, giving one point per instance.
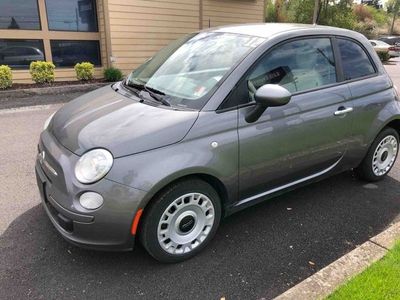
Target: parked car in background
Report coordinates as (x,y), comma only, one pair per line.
(391,40)
(217,121)
(380,46)
(17,56)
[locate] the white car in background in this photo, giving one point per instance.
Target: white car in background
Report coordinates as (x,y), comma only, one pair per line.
(380,46)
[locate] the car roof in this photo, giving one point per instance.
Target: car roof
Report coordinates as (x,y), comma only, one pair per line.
(266,30)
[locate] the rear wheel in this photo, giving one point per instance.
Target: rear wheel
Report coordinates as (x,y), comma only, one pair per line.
(380,157)
(181,221)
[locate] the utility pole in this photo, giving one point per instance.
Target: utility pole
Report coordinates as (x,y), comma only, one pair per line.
(316,10)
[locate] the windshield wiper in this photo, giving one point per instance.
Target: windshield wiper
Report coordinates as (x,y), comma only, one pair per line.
(154,93)
(157,95)
(134,89)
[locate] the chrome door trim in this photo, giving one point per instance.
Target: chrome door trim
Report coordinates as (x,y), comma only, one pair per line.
(282,187)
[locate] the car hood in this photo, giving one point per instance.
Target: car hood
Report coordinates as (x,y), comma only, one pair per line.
(106,119)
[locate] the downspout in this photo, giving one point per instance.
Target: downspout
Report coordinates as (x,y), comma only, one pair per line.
(107,32)
(200,14)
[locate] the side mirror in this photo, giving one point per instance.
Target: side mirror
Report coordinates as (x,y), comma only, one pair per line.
(268,95)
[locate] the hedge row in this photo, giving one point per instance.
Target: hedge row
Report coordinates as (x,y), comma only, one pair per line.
(43,72)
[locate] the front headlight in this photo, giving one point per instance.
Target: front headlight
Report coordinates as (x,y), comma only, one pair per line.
(93,165)
(47,122)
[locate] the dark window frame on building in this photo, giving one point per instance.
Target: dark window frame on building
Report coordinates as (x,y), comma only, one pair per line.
(50,18)
(57,58)
(37,50)
(15,24)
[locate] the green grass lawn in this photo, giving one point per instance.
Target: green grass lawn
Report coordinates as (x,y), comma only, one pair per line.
(379,281)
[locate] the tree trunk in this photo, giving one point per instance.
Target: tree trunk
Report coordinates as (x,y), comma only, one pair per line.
(316,10)
(396,11)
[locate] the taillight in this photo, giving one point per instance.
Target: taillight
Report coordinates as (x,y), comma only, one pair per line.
(392,49)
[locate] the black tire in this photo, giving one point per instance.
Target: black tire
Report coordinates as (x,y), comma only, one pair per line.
(148,233)
(365,170)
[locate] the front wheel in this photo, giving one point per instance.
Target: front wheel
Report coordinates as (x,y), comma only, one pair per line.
(181,221)
(380,157)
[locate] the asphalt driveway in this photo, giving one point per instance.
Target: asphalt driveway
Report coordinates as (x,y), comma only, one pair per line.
(257,253)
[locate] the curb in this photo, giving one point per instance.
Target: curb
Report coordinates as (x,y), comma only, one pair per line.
(52,90)
(328,279)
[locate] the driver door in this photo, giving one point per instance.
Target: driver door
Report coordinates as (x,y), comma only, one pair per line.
(300,140)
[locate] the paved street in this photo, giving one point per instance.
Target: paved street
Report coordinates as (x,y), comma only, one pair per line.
(257,253)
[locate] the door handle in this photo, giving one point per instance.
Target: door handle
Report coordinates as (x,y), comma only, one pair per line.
(342,111)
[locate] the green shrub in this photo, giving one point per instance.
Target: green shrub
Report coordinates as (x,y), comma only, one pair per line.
(270,11)
(112,74)
(84,71)
(42,71)
(5,77)
(378,15)
(368,28)
(383,56)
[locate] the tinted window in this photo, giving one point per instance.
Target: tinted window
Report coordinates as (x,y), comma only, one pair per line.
(72,15)
(355,61)
(68,53)
(298,65)
(20,53)
(19,14)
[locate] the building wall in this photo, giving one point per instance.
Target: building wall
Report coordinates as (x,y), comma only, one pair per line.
(139,28)
(223,12)
(61,73)
(131,31)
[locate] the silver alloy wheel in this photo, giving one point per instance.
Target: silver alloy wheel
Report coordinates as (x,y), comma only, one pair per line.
(186,223)
(384,155)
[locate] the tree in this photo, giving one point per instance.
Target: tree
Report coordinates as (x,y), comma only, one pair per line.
(393,7)
(374,3)
(324,12)
(316,11)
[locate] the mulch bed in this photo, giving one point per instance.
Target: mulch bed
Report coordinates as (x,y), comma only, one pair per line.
(19,86)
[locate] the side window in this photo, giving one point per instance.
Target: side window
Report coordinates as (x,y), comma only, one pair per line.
(355,61)
(298,65)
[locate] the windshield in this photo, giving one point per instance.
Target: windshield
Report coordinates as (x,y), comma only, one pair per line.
(185,72)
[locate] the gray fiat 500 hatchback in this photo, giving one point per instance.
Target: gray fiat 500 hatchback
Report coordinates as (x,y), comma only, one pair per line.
(215,122)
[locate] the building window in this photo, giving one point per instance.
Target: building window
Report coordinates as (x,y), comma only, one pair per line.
(72,15)
(68,53)
(19,14)
(20,53)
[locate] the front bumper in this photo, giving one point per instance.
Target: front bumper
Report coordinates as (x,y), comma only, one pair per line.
(106,228)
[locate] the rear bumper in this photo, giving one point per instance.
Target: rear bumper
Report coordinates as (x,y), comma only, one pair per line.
(106,228)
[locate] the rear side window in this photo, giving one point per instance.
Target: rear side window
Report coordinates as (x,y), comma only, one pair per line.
(355,60)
